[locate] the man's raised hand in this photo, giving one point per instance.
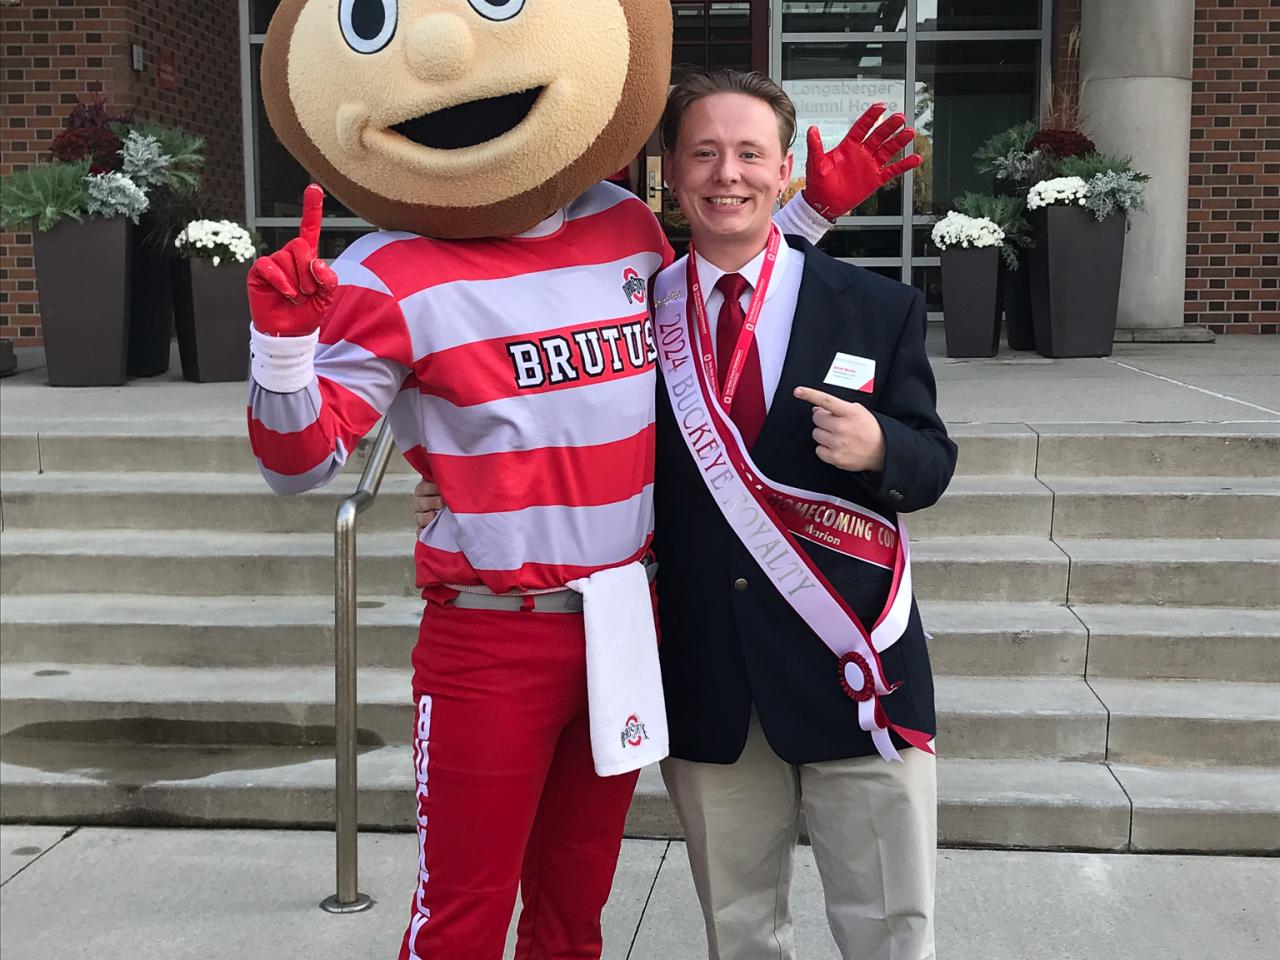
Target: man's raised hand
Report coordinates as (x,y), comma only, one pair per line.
(847,434)
(290,289)
(858,166)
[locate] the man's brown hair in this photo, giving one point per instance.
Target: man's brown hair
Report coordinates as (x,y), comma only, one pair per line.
(695,86)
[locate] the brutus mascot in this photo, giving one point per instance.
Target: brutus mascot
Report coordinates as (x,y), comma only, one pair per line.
(500,320)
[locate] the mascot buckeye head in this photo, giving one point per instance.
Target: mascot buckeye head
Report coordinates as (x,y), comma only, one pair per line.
(464,118)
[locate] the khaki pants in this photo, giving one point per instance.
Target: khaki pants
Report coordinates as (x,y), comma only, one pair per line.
(873,827)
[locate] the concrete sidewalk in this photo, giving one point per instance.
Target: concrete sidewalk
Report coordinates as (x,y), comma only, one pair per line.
(1236,379)
(251,894)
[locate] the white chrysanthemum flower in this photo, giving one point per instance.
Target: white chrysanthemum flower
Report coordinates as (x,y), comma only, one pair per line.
(958,230)
(218,240)
(1059,190)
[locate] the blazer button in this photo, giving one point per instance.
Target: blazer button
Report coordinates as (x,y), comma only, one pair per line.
(740,585)
(894,496)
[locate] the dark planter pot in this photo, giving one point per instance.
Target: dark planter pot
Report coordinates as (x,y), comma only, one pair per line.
(83,274)
(211,310)
(971,301)
(151,317)
(1019,329)
(1075,281)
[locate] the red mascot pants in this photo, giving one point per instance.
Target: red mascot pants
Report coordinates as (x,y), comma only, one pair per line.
(507,794)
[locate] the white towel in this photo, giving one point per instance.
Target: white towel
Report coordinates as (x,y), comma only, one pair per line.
(624,681)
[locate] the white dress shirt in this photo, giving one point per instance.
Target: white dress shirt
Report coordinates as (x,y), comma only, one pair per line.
(773,329)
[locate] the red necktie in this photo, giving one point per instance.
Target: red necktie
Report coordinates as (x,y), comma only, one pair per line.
(748,402)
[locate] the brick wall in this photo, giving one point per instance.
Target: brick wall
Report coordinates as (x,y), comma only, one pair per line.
(204,41)
(53,51)
(1233,238)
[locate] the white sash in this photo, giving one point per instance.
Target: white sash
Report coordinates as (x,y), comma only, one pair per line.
(744,496)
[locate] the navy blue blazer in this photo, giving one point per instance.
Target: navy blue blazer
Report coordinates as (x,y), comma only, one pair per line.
(726,649)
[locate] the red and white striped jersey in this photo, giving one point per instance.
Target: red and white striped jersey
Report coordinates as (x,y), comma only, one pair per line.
(518,374)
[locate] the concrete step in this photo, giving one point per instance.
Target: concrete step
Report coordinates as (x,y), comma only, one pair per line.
(217,563)
(1181,643)
(981,803)
(212,446)
(978,639)
(994,449)
(1159,449)
(87,500)
(1205,811)
(969,639)
(1215,573)
(1190,722)
(1020,717)
(233,631)
(222,446)
(1178,507)
(197,563)
(999,569)
(1004,639)
(977,717)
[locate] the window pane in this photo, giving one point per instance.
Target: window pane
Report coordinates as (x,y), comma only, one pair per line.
(280,178)
(730,21)
(689,23)
(260,12)
(687,58)
(929,279)
(729,56)
(922,242)
(831,85)
(965,92)
(332,240)
(856,242)
(844,16)
(893,273)
(978,14)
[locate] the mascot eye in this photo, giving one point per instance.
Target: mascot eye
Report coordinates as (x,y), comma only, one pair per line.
(497,9)
(367,25)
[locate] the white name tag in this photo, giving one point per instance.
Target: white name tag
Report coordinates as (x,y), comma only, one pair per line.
(857,373)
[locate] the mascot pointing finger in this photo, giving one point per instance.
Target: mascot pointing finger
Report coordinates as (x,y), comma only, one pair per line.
(499,319)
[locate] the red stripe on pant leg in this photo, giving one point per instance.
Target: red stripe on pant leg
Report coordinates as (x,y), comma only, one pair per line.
(421,914)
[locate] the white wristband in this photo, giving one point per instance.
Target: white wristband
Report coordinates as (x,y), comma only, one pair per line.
(798,217)
(282,364)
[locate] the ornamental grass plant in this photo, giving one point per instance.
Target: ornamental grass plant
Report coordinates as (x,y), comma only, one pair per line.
(46,193)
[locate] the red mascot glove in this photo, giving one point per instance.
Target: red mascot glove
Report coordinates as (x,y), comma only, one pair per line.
(290,289)
(838,181)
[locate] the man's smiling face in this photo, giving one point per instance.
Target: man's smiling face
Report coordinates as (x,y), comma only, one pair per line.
(456,103)
(727,168)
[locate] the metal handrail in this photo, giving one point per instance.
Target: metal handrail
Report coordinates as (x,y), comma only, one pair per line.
(348,899)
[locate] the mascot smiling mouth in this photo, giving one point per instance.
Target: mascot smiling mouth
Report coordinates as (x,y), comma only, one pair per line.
(471,123)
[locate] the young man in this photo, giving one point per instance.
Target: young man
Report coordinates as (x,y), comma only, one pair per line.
(796,419)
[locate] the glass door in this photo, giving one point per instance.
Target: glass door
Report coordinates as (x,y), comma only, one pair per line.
(961,70)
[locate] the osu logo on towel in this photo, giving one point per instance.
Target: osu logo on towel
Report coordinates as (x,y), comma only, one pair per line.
(634,733)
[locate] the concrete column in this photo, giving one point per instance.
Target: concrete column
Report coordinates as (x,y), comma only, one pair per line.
(1135,92)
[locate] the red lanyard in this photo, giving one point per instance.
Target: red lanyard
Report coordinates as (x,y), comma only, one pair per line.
(748,332)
